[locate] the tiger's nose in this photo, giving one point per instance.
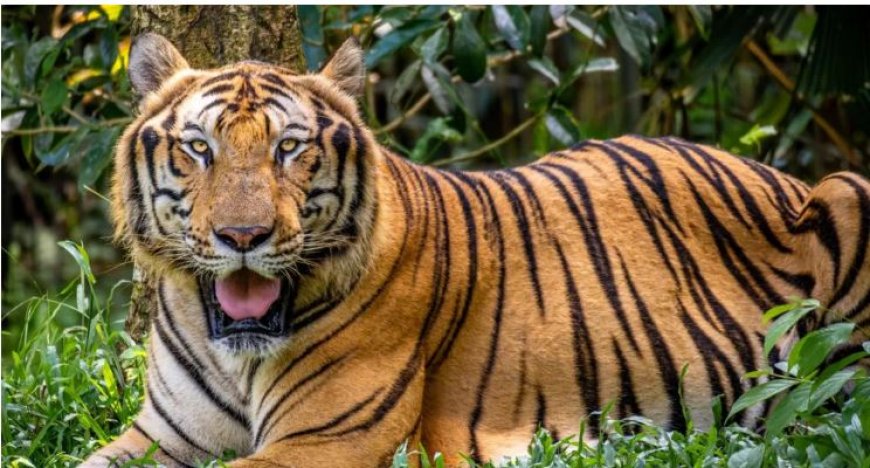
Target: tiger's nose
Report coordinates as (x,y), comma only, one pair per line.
(243,238)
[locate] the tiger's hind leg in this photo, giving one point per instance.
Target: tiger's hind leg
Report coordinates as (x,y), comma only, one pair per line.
(834,230)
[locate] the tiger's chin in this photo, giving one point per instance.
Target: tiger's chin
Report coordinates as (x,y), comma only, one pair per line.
(249,336)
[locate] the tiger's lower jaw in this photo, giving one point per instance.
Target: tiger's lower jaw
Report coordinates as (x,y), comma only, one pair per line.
(254,337)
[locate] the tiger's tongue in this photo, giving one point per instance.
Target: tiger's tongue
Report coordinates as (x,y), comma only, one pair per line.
(245,294)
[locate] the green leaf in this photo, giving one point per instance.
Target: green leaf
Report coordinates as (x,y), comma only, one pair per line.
(108,47)
(61,151)
(826,389)
(782,325)
(81,257)
(96,151)
(310,21)
(438,131)
(53,96)
(728,30)
(513,24)
(747,458)
(541,138)
(35,54)
(636,28)
(757,134)
(598,65)
(702,15)
(562,126)
(601,64)
(776,311)
(758,394)
(406,79)
(434,46)
(838,59)
(756,374)
(586,26)
(545,67)
(812,349)
(438,83)
(539,24)
(469,50)
(787,409)
(397,39)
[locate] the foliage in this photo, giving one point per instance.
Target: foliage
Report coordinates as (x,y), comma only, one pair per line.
(67,92)
(68,391)
(65,98)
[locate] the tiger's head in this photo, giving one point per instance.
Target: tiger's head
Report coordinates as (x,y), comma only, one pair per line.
(251,180)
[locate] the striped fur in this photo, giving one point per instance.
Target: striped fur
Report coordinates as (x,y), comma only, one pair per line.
(460,309)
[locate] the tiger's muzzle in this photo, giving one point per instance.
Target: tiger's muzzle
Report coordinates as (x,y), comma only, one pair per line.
(246,311)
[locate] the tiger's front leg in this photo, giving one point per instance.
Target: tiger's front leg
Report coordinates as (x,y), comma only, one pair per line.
(340,411)
(195,408)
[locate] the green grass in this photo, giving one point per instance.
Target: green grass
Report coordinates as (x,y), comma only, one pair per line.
(68,391)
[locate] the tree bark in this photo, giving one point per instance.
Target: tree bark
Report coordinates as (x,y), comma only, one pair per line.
(210,37)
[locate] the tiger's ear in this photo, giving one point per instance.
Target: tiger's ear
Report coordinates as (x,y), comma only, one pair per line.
(346,68)
(153,59)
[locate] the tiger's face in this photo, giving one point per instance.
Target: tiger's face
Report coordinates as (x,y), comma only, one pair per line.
(245,177)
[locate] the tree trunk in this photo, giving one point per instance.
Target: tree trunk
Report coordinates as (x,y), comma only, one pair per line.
(209,37)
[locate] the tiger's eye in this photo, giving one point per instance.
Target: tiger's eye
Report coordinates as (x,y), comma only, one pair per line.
(199,146)
(287,145)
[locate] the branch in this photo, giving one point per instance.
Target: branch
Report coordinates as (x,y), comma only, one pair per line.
(494,61)
(68,128)
(839,141)
(495,144)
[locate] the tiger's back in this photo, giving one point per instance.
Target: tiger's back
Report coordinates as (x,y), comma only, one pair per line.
(397,302)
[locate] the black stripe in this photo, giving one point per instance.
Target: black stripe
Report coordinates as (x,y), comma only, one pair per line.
(861,243)
(805,282)
(585,362)
(755,213)
(628,405)
(820,221)
(212,104)
(168,420)
(477,412)
(654,180)
(662,354)
(595,245)
(221,77)
(275,103)
(135,194)
(275,79)
(221,88)
(275,90)
(190,363)
(526,234)
(442,351)
(391,399)
(152,440)
(336,420)
(266,420)
(442,266)
(728,246)
(712,354)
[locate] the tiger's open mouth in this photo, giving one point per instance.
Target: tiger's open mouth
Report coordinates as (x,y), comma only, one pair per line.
(245,304)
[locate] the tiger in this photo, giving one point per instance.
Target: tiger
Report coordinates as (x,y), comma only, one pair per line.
(322,299)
